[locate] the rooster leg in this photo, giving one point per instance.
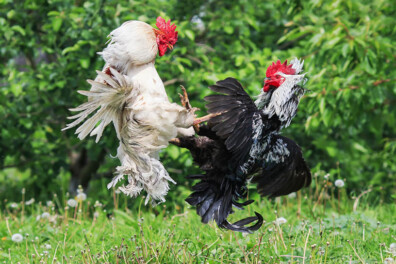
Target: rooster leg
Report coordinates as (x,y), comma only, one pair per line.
(175,141)
(200,120)
(186,104)
(184,98)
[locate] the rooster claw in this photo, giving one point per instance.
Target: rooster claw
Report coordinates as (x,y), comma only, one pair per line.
(186,104)
(184,99)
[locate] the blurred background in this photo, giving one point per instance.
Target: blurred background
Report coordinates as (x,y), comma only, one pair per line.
(346,125)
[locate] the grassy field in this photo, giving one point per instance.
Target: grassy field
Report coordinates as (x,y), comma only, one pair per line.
(318,225)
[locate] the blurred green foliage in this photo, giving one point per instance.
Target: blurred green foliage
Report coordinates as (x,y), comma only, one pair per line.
(346,125)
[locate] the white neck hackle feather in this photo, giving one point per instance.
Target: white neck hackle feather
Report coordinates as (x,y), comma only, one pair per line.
(278,102)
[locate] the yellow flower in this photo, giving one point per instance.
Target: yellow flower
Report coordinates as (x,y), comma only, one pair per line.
(3,238)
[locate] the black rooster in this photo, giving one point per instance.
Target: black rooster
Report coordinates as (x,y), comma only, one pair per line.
(241,141)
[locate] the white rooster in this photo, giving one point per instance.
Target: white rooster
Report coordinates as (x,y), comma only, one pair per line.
(129,93)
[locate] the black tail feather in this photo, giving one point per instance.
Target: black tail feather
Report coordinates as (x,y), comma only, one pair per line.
(215,200)
(240,225)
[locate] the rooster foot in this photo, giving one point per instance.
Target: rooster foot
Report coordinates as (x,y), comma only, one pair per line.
(186,104)
(184,98)
(200,120)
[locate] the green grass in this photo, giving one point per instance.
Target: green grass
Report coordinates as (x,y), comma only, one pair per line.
(323,226)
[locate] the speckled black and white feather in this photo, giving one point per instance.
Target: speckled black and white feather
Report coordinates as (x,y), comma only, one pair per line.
(244,140)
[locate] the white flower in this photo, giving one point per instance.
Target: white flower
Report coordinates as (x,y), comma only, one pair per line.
(50,203)
(17,238)
(31,201)
(198,23)
(292,195)
(392,249)
(45,215)
(72,203)
(81,196)
(280,220)
(38,217)
(96,214)
(388,261)
(98,204)
(13,205)
(339,183)
(47,246)
(327,176)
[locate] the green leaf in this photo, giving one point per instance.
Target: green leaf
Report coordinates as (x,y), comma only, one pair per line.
(360,147)
(57,23)
(190,34)
(239,60)
(229,30)
(84,63)
(322,105)
(19,29)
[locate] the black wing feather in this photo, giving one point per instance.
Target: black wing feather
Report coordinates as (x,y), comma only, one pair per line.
(235,122)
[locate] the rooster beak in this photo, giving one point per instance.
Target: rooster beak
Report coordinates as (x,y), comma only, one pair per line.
(170,46)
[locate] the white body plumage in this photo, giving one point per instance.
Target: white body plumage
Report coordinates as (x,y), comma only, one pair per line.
(132,96)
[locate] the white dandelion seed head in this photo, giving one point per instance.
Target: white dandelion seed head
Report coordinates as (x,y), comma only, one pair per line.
(38,217)
(13,205)
(389,261)
(81,197)
(50,203)
(198,23)
(80,189)
(96,214)
(339,183)
(72,203)
(392,248)
(47,246)
(18,238)
(292,195)
(45,215)
(29,202)
(327,176)
(321,251)
(98,204)
(281,220)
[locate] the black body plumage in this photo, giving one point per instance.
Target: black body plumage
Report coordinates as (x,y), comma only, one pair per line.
(239,142)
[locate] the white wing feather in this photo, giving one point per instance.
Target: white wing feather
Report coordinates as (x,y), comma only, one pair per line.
(108,99)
